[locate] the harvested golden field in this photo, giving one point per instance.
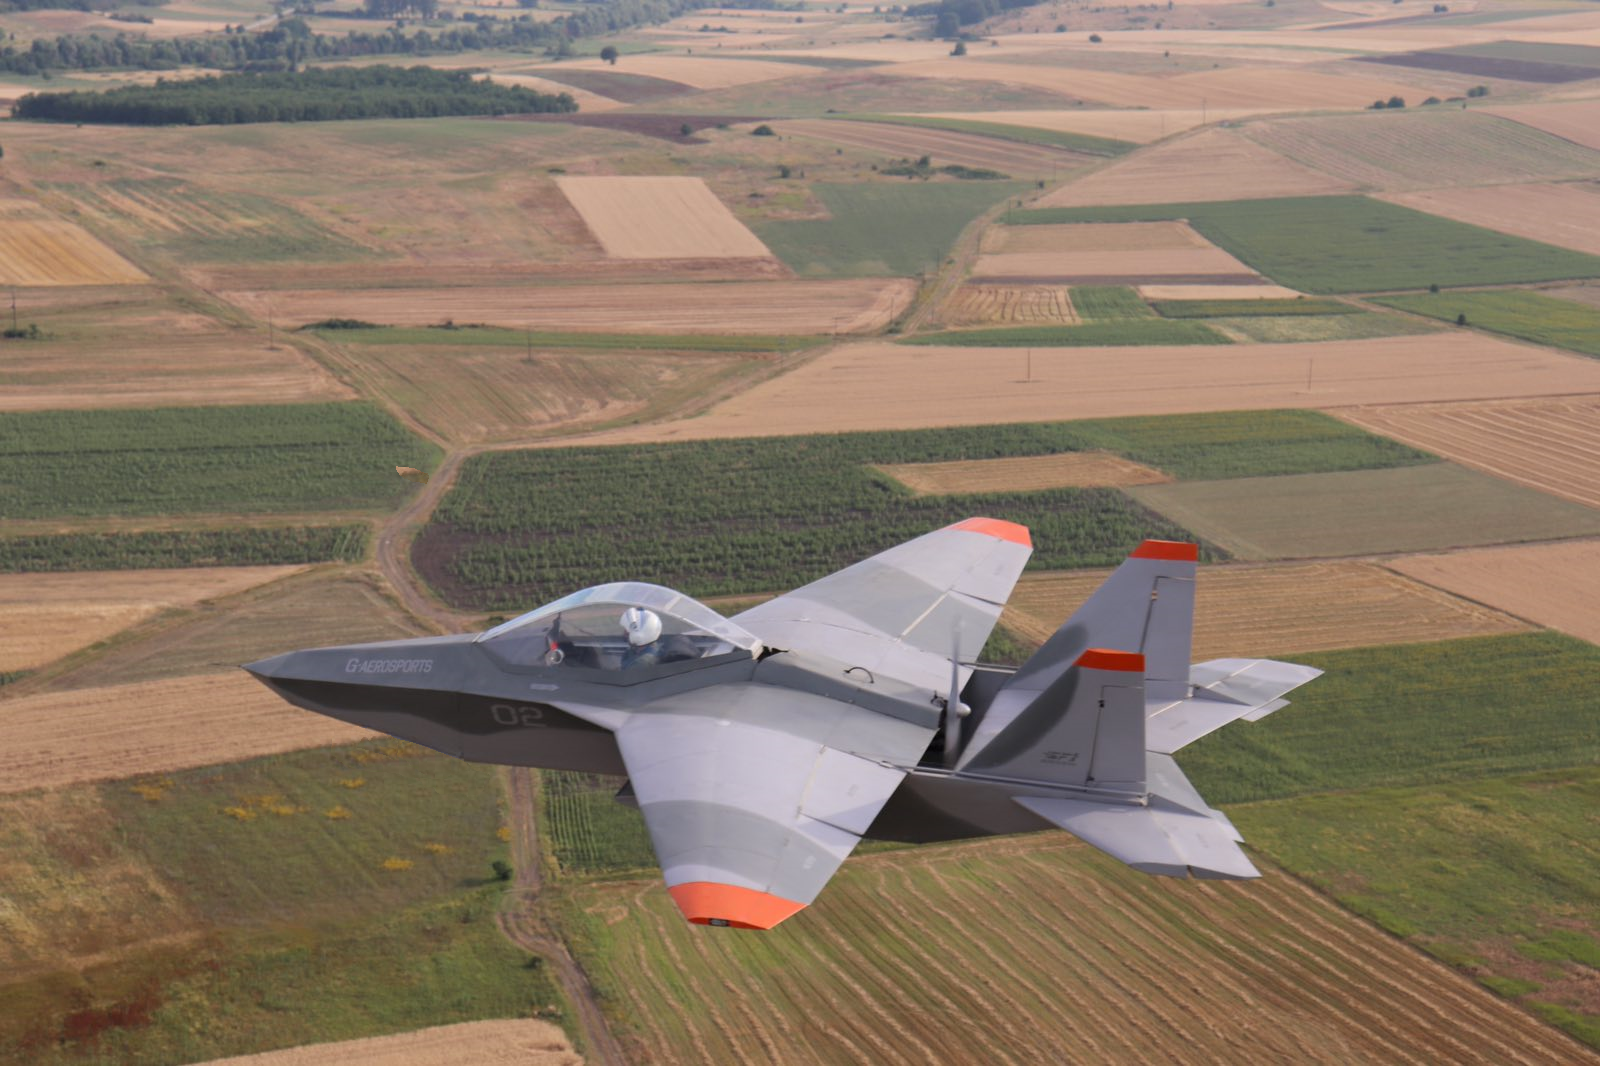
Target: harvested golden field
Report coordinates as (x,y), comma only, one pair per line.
(1093,237)
(1555,585)
(765,307)
(1213,164)
(660,218)
(1216,292)
(1112,267)
(900,962)
(1577,121)
(1408,150)
(1141,126)
(46,616)
(1024,474)
(93,734)
(1275,610)
(698,71)
(1564,215)
(979,305)
(1012,158)
(1551,444)
(877,385)
(519,1042)
(37,248)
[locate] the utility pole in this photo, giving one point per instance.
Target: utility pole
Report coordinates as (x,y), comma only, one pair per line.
(13,309)
(1311,365)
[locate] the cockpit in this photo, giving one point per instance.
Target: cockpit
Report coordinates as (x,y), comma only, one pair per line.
(619,632)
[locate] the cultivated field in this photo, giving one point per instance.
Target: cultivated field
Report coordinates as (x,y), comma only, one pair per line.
(1577,121)
(942,146)
(986,305)
(1112,267)
(862,975)
(1023,474)
(36,248)
(1550,444)
(695,71)
(64,737)
(1216,292)
(523,1042)
(1210,165)
(1409,150)
(1555,585)
(660,218)
(1364,512)
(873,385)
(46,616)
(1142,126)
(803,307)
(1564,215)
(1093,237)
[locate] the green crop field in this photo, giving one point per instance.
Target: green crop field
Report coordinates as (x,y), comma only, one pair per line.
(1332,244)
(1102,303)
(317,896)
(882,228)
(1530,316)
(1364,512)
(187,460)
(1295,329)
(165,549)
(1077,142)
(524,527)
(541,340)
(1248,308)
(586,829)
(1129,331)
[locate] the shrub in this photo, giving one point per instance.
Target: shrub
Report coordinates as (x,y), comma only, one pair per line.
(763,130)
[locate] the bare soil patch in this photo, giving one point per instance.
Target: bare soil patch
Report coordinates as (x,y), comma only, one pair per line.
(46,616)
(1555,585)
(1564,215)
(942,146)
(666,127)
(875,385)
(37,248)
(1069,265)
(1486,66)
(978,305)
(694,71)
(627,88)
(587,101)
(806,307)
(1577,121)
(1207,166)
(1025,474)
(1277,609)
(1141,126)
(1093,237)
(660,218)
(520,1042)
(1548,444)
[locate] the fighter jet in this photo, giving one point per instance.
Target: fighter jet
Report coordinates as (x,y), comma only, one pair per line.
(763,747)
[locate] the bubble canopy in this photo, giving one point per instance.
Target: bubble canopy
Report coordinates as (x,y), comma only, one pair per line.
(585,631)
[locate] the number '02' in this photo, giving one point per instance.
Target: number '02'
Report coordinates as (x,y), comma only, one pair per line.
(516,714)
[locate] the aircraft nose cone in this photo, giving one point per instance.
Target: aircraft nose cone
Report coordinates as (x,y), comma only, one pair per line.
(266,669)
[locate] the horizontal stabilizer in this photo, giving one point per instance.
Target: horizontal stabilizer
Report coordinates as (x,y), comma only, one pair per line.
(1158,839)
(1225,690)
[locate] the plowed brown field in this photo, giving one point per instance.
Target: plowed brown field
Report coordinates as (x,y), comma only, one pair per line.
(1210,165)
(977,305)
(1555,585)
(767,307)
(1093,237)
(1577,121)
(46,616)
(931,954)
(660,218)
(522,1042)
(1025,474)
(1069,265)
(1549,444)
(92,734)
(943,146)
(873,385)
(1564,215)
(36,248)
(697,71)
(1280,610)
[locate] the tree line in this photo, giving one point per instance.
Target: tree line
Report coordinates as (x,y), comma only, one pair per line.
(950,15)
(313,95)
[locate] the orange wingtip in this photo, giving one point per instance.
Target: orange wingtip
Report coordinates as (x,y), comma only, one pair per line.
(996,527)
(709,903)
(1176,550)
(1101,659)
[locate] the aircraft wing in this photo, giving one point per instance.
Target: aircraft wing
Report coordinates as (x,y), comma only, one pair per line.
(901,612)
(753,795)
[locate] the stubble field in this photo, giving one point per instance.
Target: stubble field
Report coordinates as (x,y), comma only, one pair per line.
(660,218)
(1555,585)
(1564,215)
(519,1042)
(1577,121)
(987,305)
(1011,158)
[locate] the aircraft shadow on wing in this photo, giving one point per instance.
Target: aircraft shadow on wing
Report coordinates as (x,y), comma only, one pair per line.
(762,748)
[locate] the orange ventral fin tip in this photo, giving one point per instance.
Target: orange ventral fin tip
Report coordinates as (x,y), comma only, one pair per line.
(997,527)
(1176,550)
(1102,659)
(710,903)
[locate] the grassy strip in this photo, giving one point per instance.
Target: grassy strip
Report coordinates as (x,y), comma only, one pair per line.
(1248,308)
(1077,142)
(165,549)
(1414,714)
(1333,244)
(1091,334)
(1099,303)
(511,338)
(1497,876)
(524,527)
(1530,316)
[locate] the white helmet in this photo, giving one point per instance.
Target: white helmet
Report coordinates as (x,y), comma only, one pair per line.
(642,626)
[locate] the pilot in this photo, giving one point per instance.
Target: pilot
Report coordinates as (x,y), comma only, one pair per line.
(643,628)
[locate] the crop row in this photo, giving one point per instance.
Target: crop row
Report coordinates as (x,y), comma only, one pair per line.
(165,549)
(588,830)
(1250,308)
(1128,331)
